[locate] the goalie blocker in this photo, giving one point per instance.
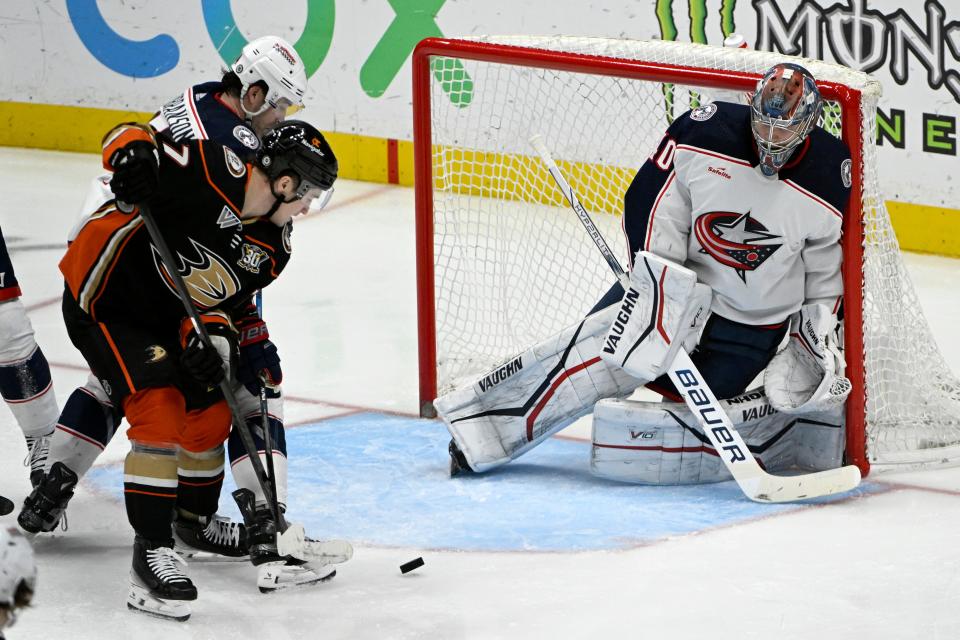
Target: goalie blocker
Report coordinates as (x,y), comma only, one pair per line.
(519,404)
(661,443)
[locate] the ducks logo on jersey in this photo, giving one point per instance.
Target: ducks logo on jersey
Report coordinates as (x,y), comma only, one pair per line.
(208,279)
(733,239)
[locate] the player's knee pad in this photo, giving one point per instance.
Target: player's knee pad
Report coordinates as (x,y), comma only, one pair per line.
(660,313)
(530,397)
(662,443)
(83,431)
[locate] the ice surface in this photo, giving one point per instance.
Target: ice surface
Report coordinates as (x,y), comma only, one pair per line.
(540,550)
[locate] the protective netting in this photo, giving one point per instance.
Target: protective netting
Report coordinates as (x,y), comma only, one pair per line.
(513,264)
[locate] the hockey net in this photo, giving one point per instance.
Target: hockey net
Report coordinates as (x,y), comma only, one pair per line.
(502,262)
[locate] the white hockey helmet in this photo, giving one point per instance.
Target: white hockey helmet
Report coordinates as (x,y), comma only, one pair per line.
(18,572)
(274,61)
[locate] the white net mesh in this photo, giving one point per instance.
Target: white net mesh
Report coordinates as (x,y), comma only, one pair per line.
(513,265)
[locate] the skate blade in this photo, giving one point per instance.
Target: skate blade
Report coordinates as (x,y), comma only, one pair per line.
(140,600)
(268,581)
(195,555)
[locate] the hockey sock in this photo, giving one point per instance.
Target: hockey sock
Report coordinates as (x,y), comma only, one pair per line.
(199,480)
(26,386)
(83,430)
(150,489)
(241,467)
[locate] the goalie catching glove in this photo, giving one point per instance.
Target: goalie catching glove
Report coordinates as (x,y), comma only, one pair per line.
(807,375)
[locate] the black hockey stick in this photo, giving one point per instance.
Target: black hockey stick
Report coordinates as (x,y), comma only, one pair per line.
(286,544)
(753,480)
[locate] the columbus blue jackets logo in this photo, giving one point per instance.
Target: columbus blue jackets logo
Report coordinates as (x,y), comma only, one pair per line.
(735,240)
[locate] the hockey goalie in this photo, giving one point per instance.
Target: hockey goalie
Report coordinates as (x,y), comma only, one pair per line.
(733,225)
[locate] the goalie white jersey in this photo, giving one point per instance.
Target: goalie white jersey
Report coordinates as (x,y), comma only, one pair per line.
(764,245)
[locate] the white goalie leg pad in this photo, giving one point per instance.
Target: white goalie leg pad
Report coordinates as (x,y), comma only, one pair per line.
(807,375)
(662,443)
(661,312)
(530,397)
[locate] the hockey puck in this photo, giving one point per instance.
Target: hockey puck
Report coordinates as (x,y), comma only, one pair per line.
(6,506)
(407,567)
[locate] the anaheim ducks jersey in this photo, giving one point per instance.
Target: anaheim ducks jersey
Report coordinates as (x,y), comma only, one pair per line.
(765,246)
(115,273)
(199,113)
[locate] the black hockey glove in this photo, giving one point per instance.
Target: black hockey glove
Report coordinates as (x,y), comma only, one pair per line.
(208,366)
(136,172)
(258,356)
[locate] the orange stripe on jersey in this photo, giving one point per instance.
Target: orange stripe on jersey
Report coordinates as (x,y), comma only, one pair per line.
(255,241)
(116,355)
(100,285)
(122,135)
(206,172)
(94,243)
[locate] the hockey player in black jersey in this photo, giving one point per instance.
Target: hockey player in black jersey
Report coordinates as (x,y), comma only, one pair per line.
(123,314)
(263,84)
(733,225)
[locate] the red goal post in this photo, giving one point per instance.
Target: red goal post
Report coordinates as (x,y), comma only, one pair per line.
(481,199)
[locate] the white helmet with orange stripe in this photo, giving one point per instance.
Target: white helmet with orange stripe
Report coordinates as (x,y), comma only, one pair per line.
(275,62)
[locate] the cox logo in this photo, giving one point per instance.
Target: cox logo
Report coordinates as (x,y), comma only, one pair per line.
(414,20)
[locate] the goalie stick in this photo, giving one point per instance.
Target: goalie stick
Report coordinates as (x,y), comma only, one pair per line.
(756,484)
(290,538)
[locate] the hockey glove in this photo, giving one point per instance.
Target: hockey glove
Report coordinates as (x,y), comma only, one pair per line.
(807,375)
(209,367)
(130,151)
(137,172)
(258,357)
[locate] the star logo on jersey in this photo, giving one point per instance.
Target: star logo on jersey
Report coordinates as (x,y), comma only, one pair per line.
(207,277)
(735,240)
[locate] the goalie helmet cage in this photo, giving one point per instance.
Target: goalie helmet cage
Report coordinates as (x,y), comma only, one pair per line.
(502,263)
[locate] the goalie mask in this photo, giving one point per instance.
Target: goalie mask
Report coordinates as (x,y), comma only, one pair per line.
(296,148)
(785,107)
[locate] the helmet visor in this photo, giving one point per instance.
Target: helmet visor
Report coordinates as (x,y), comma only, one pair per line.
(286,107)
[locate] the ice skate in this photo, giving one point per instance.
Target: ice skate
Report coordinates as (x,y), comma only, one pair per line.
(38,448)
(210,539)
(44,508)
(279,575)
(458,462)
(158,585)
